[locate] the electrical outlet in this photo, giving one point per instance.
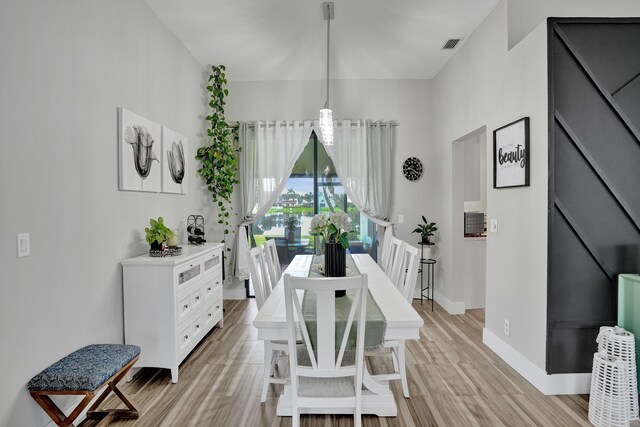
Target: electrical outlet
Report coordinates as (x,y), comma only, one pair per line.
(23,245)
(507,328)
(494,226)
(400,219)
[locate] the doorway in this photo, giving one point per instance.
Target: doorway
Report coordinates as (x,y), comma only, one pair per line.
(469,211)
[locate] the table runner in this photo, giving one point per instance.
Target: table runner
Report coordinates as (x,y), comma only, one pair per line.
(376,323)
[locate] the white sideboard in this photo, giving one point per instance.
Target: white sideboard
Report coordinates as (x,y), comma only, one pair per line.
(171,303)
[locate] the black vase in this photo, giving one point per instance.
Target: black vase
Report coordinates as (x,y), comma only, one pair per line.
(335,263)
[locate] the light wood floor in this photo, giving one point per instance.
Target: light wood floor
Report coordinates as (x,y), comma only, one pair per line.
(454,381)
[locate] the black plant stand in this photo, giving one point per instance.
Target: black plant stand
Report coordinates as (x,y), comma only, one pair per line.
(430,282)
(429,264)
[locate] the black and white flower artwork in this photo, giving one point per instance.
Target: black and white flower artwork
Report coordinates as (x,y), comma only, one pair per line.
(174,162)
(139,149)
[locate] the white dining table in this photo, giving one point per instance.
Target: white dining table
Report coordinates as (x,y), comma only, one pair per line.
(403,323)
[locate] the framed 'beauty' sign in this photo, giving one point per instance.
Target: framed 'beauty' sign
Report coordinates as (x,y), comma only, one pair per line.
(511,155)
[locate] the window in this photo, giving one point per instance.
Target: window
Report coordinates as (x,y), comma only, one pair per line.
(313,187)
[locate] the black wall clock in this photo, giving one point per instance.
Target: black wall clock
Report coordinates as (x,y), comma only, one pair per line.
(412,168)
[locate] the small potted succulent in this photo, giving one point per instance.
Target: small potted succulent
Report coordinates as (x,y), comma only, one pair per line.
(157,234)
(426,230)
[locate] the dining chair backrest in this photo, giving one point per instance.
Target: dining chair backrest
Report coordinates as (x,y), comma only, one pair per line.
(409,271)
(273,262)
(397,251)
(326,360)
(390,255)
(258,274)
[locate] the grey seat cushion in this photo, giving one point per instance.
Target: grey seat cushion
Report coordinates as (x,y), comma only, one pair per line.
(85,369)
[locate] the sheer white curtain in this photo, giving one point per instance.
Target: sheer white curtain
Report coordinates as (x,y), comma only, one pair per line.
(362,153)
(268,153)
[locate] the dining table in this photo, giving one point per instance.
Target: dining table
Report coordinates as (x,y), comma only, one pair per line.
(402,323)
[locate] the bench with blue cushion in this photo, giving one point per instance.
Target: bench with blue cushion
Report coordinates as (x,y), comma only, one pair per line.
(85,372)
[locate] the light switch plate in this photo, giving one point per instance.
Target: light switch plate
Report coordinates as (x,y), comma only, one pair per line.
(23,245)
(400,219)
(494,226)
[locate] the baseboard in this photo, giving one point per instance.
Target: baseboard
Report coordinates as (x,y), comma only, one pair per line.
(547,384)
(452,307)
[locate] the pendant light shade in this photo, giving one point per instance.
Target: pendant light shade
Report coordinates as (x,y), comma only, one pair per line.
(326,115)
(326,126)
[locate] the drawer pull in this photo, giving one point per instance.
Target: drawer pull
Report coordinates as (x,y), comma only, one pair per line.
(210,314)
(186,306)
(217,307)
(197,298)
(197,326)
(209,289)
(186,337)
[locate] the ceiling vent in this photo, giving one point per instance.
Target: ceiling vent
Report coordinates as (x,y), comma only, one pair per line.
(451,44)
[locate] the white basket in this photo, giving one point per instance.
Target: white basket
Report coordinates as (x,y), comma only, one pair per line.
(609,400)
(619,343)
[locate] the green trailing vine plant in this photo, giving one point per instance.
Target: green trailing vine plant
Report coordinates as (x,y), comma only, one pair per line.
(219,162)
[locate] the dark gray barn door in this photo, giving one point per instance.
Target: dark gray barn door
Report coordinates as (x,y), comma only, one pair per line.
(594,173)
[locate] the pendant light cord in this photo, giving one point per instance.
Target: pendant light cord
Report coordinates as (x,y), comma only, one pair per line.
(326,104)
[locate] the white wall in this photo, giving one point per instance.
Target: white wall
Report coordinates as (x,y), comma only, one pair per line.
(484,84)
(66,67)
(407,101)
(525,15)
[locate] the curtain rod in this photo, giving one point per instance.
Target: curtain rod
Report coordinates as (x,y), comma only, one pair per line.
(393,123)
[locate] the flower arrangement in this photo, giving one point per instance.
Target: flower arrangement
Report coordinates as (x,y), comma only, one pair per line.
(334,229)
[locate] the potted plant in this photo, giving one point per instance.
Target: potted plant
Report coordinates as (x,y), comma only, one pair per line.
(335,231)
(426,230)
(219,162)
(157,234)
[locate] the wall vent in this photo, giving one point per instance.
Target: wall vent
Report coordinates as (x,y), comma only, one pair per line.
(451,44)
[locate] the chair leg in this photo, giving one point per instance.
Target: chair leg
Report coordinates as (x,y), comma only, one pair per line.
(295,416)
(403,369)
(268,355)
(394,358)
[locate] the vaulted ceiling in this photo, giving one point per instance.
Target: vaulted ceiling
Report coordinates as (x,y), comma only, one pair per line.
(286,39)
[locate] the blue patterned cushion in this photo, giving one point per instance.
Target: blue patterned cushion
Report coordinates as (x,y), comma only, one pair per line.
(85,369)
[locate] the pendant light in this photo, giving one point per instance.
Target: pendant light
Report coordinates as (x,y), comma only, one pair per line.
(326,115)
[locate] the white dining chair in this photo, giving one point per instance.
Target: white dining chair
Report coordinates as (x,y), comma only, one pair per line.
(327,377)
(394,262)
(272,349)
(273,262)
(409,271)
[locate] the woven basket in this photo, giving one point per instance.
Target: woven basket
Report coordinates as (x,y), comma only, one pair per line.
(619,343)
(609,400)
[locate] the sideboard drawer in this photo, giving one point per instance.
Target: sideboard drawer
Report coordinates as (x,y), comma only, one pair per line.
(185,274)
(212,285)
(187,303)
(189,335)
(185,337)
(212,312)
(213,261)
